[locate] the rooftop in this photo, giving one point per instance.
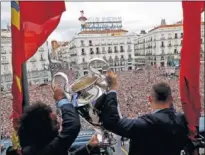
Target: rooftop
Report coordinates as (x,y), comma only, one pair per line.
(103,31)
(169,26)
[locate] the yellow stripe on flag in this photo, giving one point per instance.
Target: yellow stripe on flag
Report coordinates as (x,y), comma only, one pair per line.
(18,82)
(15,17)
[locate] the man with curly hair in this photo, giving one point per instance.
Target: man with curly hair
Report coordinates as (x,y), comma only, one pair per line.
(38,130)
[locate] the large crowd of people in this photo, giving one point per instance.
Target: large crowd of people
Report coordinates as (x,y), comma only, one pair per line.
(134,88)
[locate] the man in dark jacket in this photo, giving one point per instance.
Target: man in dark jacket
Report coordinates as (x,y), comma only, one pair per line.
(38,130)
(162,132)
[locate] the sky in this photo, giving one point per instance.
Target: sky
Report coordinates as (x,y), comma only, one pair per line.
(135,15)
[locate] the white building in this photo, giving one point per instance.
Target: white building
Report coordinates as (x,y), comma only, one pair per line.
(103,38)
(117,50)
(35,66)
(161,46)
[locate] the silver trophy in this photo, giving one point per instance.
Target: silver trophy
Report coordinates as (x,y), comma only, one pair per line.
(88,89)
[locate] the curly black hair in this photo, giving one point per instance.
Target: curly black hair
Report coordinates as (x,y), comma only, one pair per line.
(36,125)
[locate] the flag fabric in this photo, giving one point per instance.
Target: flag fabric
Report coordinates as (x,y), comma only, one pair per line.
(31,24)
(190,64)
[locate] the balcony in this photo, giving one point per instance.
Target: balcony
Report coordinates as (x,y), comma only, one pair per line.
(115,43)
(103,51)
(4,62)
(169,45)
(129,50)
(103,44)
(97,44)
(162,38)
(109,51)
(121,43)
(91,53)
(90,44)
(72,47)
(72,55)
(116,51)
(82,45)
(33,60)
(129,42)
(175,45)
(122,50)
(3,51)
(83,53)
(169,37)
(109,43)
(162,46)
(98,52)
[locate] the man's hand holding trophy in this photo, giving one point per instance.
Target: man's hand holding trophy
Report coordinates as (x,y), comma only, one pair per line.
(90,88)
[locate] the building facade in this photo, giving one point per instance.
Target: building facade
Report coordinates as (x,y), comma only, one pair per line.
(161,46)
(118,51)
(36,71)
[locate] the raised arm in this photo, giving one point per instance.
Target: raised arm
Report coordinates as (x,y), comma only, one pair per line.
(121,126)
(70,129)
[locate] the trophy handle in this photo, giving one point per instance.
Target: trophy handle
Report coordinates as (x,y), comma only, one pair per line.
(93,70)
(65,86)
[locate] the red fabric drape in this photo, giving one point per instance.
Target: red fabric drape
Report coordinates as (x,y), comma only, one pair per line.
(190,64)
(32,23)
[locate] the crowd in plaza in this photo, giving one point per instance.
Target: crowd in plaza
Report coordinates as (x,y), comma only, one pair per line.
(134,89)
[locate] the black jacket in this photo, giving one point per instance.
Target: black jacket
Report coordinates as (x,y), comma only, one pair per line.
(60,144)
(160,133)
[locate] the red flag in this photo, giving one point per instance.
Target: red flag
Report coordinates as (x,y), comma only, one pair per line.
(32,23)
(190,64)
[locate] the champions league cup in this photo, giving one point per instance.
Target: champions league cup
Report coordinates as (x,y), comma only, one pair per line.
(88,89)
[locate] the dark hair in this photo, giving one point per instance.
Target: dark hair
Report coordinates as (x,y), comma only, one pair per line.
(161,92)
(36,126)
(11,151)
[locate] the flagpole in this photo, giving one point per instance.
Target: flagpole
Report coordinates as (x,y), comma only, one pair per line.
(25,87)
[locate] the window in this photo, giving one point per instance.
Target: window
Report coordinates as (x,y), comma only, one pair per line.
(90,43)
(83,60)
(181,42)
(91,51)
(5,67)
(162,44)
(175,51)
(82,43)
(109,50)
(121,49)
(82,51)
(97,50)
(115,48)
(175,36)
(182,35)
(129,47)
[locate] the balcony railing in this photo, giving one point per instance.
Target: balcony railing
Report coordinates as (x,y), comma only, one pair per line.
(98,52)
(82,45)
(116,51)
(129,42)
(90,44)
(169,45)
(91,53)
(103,43)
(5,62)
(129,50)
(162,46)
(72,47)
(33,60)
(109,51)
(122,50)
(103,51)
(72,55)
(109,43)
(162,38)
